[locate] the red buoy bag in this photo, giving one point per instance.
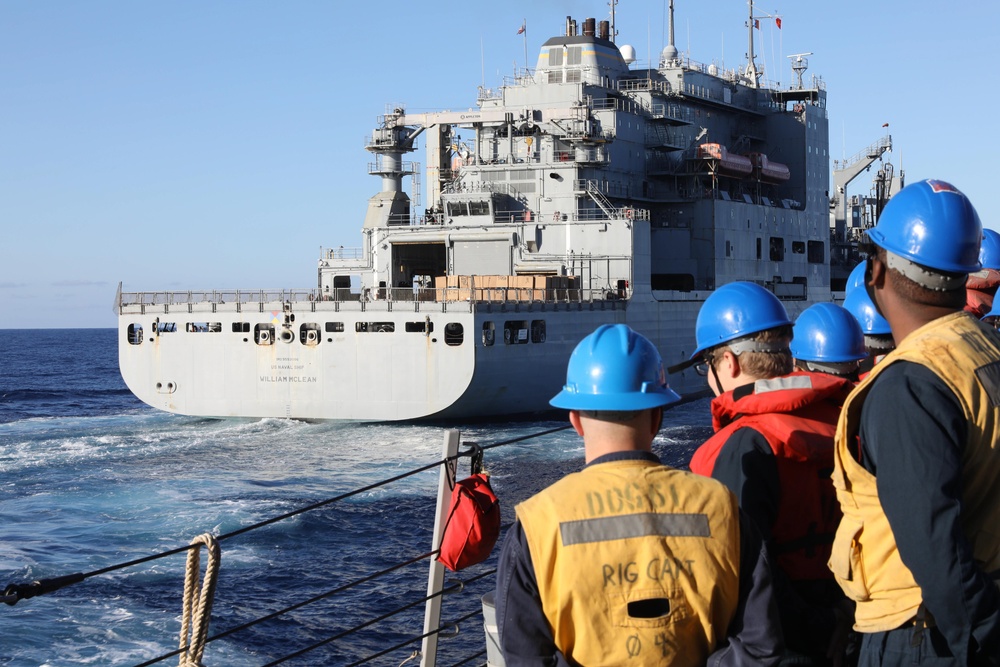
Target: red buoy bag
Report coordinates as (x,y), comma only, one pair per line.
(473,524)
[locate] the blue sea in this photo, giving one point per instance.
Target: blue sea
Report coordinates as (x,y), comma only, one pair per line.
(91,478)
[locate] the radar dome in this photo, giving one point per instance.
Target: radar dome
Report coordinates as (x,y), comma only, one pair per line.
(668,54)
(713,69)
(628,53)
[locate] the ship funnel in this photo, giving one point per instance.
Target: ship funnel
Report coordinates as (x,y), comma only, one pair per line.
(569,26)
(603,29)
(589,26)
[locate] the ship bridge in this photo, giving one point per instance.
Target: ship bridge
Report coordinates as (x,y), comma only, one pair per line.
(588,58)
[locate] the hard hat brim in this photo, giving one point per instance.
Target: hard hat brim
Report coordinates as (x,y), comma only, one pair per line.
(631,402)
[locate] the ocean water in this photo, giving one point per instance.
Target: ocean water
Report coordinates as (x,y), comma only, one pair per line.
(91,478)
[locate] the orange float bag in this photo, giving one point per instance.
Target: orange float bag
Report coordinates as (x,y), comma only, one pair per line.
(473,524)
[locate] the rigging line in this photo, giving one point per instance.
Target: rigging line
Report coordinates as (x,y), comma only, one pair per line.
(444,591)
(16,592)
(316,598)
(460,620)
(471,657)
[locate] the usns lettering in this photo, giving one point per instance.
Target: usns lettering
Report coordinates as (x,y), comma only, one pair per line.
(287,378)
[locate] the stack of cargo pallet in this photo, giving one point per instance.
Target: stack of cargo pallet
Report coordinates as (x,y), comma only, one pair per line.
(507,288)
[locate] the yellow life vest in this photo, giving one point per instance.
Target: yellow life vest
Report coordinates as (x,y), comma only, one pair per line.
(636,563)
(965,354)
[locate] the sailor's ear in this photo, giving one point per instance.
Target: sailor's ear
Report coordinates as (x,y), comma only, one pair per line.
(574,419)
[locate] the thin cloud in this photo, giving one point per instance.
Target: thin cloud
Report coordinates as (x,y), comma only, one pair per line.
(13,285)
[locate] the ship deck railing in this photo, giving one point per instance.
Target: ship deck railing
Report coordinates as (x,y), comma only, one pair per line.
(411,299)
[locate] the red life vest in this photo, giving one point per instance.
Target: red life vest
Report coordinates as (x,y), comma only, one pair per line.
(797,415)
(980,289)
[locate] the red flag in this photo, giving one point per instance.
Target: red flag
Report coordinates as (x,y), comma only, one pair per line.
(522,28)
(777,22)
(756,23)
(885,124)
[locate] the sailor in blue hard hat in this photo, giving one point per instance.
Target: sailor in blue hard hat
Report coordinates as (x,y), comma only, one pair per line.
(826,338)
(773,447)
(981,287)
(597,564)
(916,465)
(877,334)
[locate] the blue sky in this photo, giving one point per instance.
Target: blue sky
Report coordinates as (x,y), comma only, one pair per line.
(219,144)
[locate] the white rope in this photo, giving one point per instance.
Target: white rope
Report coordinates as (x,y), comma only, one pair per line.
(197,613)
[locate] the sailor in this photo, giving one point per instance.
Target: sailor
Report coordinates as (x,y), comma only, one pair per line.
(773,447)
(827,339)
(917,465)
(992,318)
(981,286)
(629,561)
(878,337)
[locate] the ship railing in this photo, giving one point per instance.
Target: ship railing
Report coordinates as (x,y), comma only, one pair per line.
(468,592)
(341,253)
(378,299)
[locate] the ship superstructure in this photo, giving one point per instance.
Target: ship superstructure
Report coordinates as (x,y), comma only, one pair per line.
(587,190)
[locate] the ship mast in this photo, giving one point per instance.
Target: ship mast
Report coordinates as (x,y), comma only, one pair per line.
(751,72)
(614,32)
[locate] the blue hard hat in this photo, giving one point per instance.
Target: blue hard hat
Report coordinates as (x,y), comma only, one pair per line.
(826,332)
(734,311)
(859,304)
(614,368)
(989,250)
(932,224)
(856,279)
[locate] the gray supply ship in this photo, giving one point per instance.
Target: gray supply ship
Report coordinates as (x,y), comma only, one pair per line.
(585,191)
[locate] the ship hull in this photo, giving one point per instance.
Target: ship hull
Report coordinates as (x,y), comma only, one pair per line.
(379,361)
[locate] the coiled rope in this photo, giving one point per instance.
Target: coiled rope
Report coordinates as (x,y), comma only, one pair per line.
(198,612)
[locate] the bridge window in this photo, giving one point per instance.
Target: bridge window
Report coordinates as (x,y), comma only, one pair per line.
(334,327)
(241,327)
(798,247)
(166,327)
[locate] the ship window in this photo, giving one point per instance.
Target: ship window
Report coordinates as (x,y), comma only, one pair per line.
(777,249)
(458,208)
(798,247)
(263,334)
(200,327)
(419,327)
(134,334)
(816,252)
(166,327)
(538,331)
(758,247)
(555,77)
(454,333)
(683,282)
(335,327)
(574,55)
(728,248)
(489,333)
(241,327)
(573,76)
(515,332)
(309,334)
(374,327)
(555,56)
(479,208)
